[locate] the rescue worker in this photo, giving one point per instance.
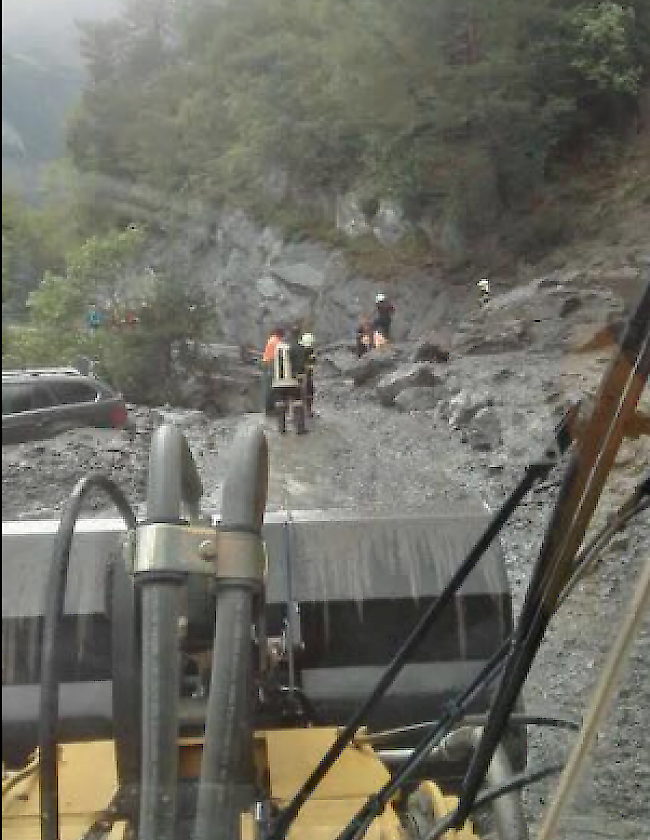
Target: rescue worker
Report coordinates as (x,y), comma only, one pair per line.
(298,353)
(484,288)
(94,317)
(268,357)
(383,317)
(307,341)
(363,336)
(289,368)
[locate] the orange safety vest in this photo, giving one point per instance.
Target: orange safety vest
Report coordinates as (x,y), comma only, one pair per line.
(269,350)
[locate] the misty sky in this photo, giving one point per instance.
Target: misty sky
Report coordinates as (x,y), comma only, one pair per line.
(49,24)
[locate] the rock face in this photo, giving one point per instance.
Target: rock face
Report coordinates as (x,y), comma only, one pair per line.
(258,278)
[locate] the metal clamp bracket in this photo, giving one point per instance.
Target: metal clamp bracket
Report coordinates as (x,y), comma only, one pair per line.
(163,547)
(241,555)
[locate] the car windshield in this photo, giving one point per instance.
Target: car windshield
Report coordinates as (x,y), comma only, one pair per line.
(407,242)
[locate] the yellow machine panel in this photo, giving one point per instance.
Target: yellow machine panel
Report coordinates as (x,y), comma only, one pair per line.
(87,783)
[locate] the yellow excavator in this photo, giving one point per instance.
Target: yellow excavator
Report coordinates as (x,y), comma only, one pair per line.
(243,675)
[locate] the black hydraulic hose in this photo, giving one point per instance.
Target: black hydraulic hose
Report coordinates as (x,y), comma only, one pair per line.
(53,615)
(160,604)
(172,484)
(534,472)
(126,680)
(226,784)
(515,783)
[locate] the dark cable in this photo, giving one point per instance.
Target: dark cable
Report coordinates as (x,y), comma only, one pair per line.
(52,617)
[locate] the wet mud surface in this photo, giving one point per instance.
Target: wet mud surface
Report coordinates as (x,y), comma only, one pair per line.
(363,456)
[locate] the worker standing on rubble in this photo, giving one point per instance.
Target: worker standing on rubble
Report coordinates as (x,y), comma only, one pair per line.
(307,341)
(268,357)
(363,336)
(383,317)
(484,288)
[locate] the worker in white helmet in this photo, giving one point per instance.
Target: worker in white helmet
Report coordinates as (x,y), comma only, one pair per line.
(307,341)
(484,288)
(383,318)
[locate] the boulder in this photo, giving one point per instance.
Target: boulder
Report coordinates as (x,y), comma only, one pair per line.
(417,398)
(431,349)
(483,432)
(420,375)
(502,337)
(338,362)
(373,364)
(463,406)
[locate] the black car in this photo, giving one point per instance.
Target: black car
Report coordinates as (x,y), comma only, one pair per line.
(42,403)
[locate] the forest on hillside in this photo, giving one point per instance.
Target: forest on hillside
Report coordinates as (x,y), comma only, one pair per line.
(463,111)
(471,115)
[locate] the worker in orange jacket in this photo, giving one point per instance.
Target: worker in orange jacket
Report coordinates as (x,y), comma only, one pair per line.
(267,367)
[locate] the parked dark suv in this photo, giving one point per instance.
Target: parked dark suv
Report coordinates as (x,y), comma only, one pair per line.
(41,403)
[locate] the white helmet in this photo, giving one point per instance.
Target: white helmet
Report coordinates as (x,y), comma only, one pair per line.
(380,297)
(307,340)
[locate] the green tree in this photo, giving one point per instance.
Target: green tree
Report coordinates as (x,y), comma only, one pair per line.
(55,332)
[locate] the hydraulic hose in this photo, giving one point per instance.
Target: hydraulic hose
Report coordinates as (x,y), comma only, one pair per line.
(173,483)
(226,785)
(53,615)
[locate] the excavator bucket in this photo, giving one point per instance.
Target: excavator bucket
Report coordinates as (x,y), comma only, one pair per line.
(342,593)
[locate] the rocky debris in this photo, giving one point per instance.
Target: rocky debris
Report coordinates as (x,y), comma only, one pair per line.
(483,431)
(373,364)
(462,406)
(182,419)
(557,311)
(499,337)
(417,398)
(431,348)
(418,375)
(220,393)
(338,362)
